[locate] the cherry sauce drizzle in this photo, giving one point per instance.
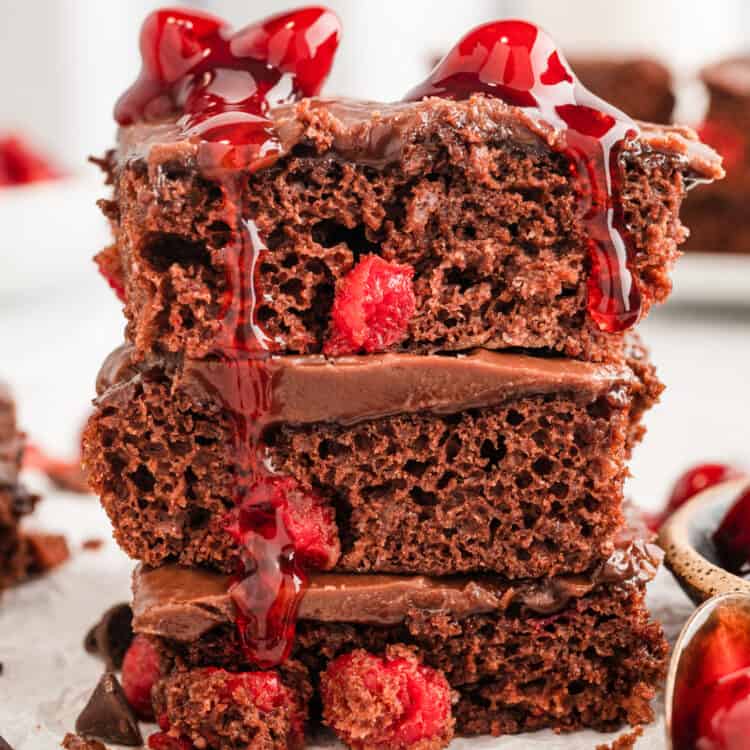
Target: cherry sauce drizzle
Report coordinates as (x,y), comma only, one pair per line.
(222,84)
(517,62)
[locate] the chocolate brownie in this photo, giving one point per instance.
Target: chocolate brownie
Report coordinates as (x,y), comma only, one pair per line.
(438,465)
(470,194)
(717,215)
(566,652)
(15,500)
(23,553)
(640,86)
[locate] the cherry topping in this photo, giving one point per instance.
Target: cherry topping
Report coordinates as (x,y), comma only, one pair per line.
(20,165)
(224,83)
(711,704)
(519,63)
(372,307)
(732,538)
(140,670)
(280,531)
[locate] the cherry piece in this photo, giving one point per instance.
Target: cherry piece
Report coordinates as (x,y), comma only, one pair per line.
(267,693)
(690,483)
(20,165)
(110,268)
(732,538)
(711,704)
(519,63)
(163,741)
(372,307)
(412,702)
(724,721)
(224,83)
(140,670)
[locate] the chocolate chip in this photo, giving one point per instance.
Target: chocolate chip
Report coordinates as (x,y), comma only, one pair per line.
(111,637)
(108,716)
(4,745)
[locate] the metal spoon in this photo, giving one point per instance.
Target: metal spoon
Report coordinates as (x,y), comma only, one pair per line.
(696,626)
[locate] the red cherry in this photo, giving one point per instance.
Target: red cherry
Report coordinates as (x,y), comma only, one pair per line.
(732,538)
(140,670)
(724,722)
(519,63)
(693,481)
(163,741)
(20,165)
(412,702)
(372,307)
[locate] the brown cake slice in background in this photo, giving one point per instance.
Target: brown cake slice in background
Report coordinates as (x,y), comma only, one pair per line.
(717,214)
(642,87)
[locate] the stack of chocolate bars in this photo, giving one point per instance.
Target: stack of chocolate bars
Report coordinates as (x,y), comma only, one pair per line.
(369,431)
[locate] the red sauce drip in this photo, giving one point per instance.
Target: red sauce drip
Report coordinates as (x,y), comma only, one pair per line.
(517,62)
(711,705)
(222,85)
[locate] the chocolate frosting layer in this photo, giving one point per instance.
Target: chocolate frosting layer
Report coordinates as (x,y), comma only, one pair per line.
(351,389)
(377,134)
(183,604)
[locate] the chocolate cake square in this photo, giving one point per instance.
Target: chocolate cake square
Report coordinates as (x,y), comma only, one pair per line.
(473,195)
(491,462)
(640,86)
(717,214)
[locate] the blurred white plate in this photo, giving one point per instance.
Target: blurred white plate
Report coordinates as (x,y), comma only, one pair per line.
(50,231)
(712,279)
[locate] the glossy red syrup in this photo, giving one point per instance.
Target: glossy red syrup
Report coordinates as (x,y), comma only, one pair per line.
(732,538)
(222,84)
(711,708)
(517,62)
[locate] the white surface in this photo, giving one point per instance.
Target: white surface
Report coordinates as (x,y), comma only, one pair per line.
(53,344)
(711,279)
(49,232)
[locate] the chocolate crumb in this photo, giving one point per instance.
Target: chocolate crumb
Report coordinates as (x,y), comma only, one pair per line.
(92,544)
(2,667)
(4,745)
(111,637)
(69,477)
(76,742)
(108,716)
(46,551)
(625,742)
